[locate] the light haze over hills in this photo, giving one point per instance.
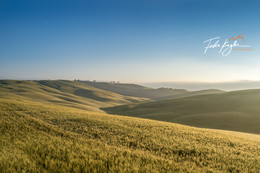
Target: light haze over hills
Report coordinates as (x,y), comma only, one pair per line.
(227,86)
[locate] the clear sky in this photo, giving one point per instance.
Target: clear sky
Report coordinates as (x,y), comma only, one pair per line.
(127,40)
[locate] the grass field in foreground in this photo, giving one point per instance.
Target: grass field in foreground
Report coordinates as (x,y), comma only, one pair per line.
(47,137)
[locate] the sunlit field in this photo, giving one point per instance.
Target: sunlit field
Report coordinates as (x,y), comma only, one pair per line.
(45,136)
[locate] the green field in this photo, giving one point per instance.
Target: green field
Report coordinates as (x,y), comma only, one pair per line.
(67,93)
(237,110)
(49,126)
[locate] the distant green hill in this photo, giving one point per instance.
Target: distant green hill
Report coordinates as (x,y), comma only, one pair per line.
(136,90)
(68,93)
(237,110)
(192,93)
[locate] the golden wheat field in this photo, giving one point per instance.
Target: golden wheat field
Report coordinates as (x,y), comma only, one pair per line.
(40,135)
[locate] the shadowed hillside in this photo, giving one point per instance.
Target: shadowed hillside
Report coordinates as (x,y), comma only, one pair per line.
(192,93)
(238,111)
(136,90)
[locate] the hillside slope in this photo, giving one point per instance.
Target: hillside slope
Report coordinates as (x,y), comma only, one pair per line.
(136,90)
(48,137)
(68,93)
(192,93)
(237,111)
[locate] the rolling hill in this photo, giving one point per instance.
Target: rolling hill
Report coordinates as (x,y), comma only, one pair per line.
(237,110)
(46,136)
(136,90)
(68,93)
(192,93)
(58,126)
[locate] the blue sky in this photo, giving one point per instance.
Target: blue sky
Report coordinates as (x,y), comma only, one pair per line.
(127,40)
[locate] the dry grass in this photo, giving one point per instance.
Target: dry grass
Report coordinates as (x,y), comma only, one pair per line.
(39,137)
(38,134)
